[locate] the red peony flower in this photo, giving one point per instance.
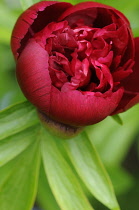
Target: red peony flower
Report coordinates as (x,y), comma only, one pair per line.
(76,64)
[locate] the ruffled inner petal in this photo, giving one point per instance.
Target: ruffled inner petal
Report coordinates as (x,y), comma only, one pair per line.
(130,83)
(87,57)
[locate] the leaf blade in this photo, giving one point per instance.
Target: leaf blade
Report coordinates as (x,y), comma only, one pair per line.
(118,119)
(13,145)
(44,191)
(18,188)
(17,118)
(63,183)
(91,170)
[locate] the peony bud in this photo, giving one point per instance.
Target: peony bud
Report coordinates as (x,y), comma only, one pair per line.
(76,63)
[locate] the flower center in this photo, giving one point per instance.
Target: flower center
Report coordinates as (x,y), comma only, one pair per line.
(87,58)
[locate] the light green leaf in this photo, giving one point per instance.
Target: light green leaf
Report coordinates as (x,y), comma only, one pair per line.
(17,118)
(91,170)
(18,180)
(45,198)
(63,182)
(26,3)
(13,145)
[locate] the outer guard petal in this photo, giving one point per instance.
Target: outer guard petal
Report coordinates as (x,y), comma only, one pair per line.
(76,109)
(89,5)
(33,20)
(82,9)
(33,76)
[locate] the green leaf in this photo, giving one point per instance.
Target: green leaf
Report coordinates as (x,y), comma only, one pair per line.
(45,198)
(118,119)
(18,180)
(13,145)
(91,170)
(26,3)
(17,118)
(63,182)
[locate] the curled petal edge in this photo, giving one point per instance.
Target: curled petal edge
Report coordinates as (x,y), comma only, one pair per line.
(24,27)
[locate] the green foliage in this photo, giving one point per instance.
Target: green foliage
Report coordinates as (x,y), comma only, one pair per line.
(121,179)
(9,90)
(13,145)
(17,118)
(71,172)
(45,197)
(89,167)
(18,180)
(26,3)
(117,119)
(20,156)
(21,135)
(63,182)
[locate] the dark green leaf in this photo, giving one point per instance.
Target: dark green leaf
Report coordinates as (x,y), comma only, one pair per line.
(118,119)
(122,180)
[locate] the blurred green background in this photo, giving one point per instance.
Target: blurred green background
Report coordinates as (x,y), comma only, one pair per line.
(118,145)
(9,90)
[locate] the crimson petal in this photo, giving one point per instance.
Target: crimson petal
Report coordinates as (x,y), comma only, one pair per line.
(90,5)
(76,109)
(33,76)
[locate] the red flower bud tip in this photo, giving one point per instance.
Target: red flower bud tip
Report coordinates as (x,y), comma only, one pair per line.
(76,64)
